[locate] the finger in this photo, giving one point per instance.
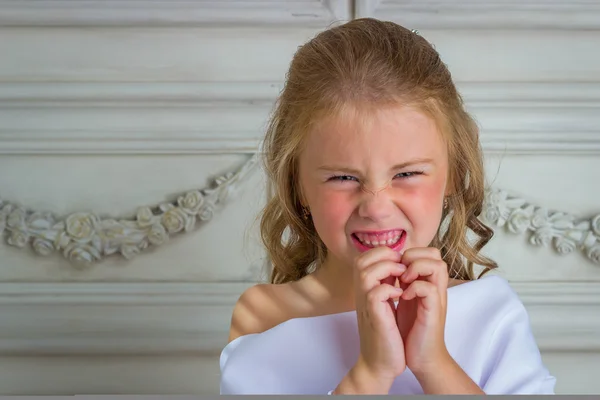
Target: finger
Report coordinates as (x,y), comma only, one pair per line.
(425,291)
(380,296)
(379,273)
(370,257)
(428,270)
(434,271)
(417,253)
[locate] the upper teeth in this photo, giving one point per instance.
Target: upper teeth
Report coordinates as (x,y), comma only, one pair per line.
(385,239)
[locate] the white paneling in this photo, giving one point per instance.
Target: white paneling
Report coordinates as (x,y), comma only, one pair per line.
(134,375)
(193,319)
(212,117)
(225,248)
(536,117)
(527,56)
(485,14)
(558,182)
(575,371)
(168,13)
(234,55)
(147,54)
(117,118)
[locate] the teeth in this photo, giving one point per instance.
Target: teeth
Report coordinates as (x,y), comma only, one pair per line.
(381,240)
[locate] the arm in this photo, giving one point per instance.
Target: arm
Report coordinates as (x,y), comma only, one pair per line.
(448,378)
(359,380)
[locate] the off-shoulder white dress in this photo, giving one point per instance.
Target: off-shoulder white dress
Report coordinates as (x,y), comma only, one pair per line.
(487,332)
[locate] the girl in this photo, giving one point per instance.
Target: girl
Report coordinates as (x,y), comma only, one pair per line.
(378,178)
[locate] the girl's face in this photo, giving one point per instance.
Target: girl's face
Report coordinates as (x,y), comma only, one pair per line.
(374,179)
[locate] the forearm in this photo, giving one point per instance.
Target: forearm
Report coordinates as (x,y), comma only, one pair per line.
(359,380)
(448,378)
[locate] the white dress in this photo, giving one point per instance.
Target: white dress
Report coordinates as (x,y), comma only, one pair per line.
(487,332)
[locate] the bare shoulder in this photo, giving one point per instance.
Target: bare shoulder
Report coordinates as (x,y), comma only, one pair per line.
(262,307)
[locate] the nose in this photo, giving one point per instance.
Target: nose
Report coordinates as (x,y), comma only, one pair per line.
(376,205)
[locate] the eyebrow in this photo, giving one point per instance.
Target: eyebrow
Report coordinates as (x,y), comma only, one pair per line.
(331,168)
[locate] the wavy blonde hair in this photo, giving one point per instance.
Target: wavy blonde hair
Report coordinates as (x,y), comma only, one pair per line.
(367,62)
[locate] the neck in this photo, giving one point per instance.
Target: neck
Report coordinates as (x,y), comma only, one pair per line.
(337,278)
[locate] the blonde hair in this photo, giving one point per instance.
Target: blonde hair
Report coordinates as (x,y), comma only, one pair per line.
(367,62)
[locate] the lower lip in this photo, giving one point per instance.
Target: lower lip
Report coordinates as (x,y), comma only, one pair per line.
(399,245)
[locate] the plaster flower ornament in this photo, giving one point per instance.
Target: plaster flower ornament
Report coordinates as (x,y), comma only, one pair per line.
(129,251)
(206,213)
(562,221)
(519,220)
(145,217)
(81,255)
(174,219)
(157,235)
(16,218)
(542,237)
(81,226)
(594,253)
(42,247)
(191,202)
(40,221)
(18,239)
(590,240)
(62,239)
(499,208)
(540,218)
(564,245)
(596,225)
(491,214)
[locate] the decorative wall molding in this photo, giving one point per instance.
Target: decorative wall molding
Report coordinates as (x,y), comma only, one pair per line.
(85,238)
(173,13)
(515,117)
(484,14)
(192,318)
(565,232)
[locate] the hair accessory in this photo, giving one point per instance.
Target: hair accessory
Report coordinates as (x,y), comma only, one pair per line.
(416,32)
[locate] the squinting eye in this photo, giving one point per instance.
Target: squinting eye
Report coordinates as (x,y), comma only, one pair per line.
(408,174)
(342,178)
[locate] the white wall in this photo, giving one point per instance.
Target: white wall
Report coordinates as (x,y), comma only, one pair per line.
(115,105)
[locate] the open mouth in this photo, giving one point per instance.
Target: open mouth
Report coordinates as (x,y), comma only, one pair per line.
(368,240)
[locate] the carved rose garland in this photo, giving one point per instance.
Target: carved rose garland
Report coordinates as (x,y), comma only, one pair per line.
(563,231)
(84,238)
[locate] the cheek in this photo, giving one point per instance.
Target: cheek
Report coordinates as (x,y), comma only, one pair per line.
(423,204)
(333,210)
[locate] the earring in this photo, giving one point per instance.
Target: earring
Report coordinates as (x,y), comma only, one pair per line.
(445,203)
(305,213)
